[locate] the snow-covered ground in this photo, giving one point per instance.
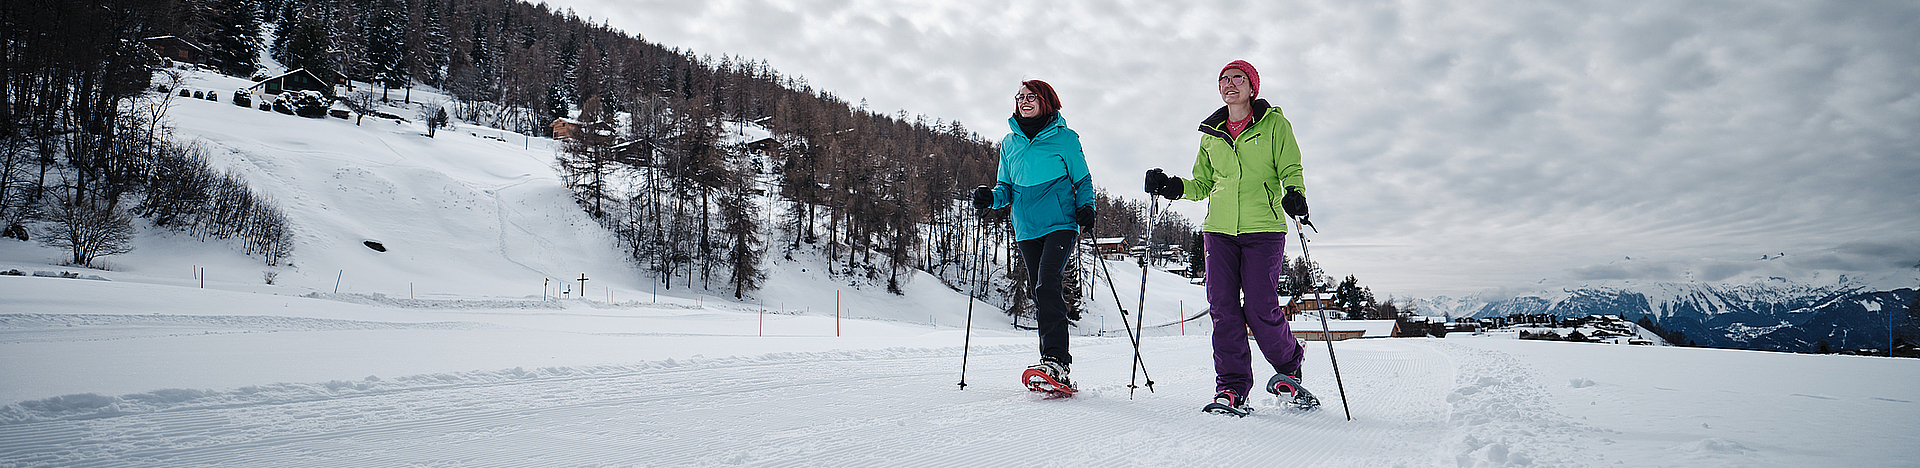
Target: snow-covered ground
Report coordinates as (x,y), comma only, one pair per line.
(449,350)
(121,372)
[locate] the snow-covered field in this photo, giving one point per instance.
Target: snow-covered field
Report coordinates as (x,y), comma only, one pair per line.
(448,350)
(123,373)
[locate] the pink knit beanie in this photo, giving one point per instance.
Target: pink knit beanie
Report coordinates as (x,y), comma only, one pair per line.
(1253,76)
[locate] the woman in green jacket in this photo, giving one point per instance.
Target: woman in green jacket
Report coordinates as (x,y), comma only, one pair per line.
(1043,177)
(1248,170)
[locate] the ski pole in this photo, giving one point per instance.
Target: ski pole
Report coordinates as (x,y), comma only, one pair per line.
(1152,211)
(966,345)
(1133,335)
(1124,325)
(1325,333)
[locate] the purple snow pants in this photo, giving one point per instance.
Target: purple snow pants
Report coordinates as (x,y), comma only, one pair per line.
(1249,263)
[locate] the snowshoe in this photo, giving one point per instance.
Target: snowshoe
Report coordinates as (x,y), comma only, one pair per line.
(1288,386)
(1048,376)
(1227,403)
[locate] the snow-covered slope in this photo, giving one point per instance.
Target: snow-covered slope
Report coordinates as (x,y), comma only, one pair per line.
(495,206)
(129,373)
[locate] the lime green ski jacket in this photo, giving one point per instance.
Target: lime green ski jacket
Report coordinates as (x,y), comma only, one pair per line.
(1244,178)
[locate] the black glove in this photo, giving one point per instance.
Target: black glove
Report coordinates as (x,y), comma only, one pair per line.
(1084,215)
(1295,203)
(982,198)
(1158,183)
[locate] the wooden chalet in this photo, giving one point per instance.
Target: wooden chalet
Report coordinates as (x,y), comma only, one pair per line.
(1310,330)
(1300,304)
(1110,248)
(636,153)
(177,49)
(567,129)
(297,80)
(763,145)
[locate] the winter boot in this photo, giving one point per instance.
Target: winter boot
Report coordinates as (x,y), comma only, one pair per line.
(1226,402)
(1288,385)
(1050,376)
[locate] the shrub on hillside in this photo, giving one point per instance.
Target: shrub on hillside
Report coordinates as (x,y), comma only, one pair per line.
(309,104)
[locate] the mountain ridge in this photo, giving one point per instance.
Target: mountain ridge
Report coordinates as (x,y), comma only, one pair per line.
(1770,313)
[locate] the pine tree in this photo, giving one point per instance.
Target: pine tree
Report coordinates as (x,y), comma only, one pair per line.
(568,70)
(741,226)
(1349,296)
(284,12)
(557,106)
(1197,258)
(485,68)
(1300,277)
(385,39)
(304,43)
(234,44)
(438,51)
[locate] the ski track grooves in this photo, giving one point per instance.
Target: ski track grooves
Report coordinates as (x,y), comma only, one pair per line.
(860,409)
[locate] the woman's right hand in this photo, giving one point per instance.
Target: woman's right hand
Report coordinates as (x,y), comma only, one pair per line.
(1158,183)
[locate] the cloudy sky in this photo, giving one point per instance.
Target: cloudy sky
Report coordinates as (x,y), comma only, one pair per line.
(1450,146)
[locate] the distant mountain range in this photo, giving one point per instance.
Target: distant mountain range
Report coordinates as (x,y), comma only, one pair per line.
(1772,314)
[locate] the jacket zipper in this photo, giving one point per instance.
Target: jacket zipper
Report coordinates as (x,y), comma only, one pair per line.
(1242,160)
(1276,213)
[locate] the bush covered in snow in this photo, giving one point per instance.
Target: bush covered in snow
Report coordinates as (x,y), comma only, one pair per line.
(310,104)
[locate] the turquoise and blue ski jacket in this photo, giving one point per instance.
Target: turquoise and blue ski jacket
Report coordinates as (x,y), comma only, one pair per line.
(1043,178)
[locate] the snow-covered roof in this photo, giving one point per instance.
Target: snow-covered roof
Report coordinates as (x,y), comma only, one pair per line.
(1368,328)
(261,83)
(182,40)
(744,132)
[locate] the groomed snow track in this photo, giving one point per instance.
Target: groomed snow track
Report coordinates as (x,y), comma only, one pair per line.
(896,407)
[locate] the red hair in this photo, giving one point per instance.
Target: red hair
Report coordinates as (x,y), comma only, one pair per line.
(1049,102)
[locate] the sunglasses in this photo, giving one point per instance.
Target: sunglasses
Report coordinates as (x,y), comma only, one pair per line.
(1236,80)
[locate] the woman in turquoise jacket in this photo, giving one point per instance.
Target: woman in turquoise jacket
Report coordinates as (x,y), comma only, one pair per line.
(1043,177)
(1248,170)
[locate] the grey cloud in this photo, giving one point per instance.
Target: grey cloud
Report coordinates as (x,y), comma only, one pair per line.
(1625,270)
(1551,133)
(1866,255)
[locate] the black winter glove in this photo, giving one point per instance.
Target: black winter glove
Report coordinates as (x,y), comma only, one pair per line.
(982,198)
(1084,215)
(1294,202)
(1158,183)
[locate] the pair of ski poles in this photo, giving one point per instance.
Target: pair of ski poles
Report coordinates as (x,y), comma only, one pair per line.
(1133,331)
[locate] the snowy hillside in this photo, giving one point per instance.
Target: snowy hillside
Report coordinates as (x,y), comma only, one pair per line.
(110,373)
